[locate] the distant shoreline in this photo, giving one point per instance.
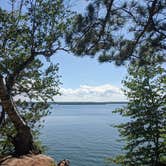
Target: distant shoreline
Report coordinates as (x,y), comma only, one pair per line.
(88,103)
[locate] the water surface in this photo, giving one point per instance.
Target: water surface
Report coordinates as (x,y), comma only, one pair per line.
(82,133)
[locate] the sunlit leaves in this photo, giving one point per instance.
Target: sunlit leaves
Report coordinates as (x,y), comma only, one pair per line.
(144,133)
(30,30)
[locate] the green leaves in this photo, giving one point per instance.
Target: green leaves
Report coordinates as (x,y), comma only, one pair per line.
(28,31)
(119,32)
(145,130)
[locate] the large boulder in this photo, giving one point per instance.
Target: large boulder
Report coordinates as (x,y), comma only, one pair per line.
(28,160)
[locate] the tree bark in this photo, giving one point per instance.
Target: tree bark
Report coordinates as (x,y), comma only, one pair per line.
(23,141)
(2,116)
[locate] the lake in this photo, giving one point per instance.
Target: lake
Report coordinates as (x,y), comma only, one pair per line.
(82,133)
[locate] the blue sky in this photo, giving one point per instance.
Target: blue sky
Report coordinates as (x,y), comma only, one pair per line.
(85,79)
(76,71)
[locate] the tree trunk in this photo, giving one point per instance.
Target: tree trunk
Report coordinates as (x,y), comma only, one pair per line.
(23,141)
(2,116)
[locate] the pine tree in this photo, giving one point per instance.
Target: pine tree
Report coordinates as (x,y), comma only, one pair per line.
(115,30)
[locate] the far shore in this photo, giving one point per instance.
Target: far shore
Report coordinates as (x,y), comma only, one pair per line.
(88,103)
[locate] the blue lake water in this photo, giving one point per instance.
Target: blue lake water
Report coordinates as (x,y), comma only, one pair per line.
(82,133)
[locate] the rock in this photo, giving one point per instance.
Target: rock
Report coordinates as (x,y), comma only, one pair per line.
(64,163)
(28,160)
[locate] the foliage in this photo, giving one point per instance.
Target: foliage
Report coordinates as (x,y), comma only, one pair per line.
(145,131)
(30,30)
(32,93)
(116,31)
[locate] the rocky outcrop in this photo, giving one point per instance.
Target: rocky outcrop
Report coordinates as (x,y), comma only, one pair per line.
(28,160)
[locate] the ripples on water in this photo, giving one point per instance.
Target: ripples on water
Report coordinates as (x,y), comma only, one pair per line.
(82,133)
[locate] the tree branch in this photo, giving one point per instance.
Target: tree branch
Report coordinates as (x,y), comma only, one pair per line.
(150,18)
(2,116)
(11,77)
(103,25)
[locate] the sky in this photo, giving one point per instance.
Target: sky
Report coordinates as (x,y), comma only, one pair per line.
(85,79)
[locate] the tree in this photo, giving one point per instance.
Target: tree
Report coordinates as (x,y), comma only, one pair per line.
(132,31)
(29,30)
(116,30)
(146,112)
(32,94)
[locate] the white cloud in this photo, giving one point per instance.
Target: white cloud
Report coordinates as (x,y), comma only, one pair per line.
(100,93)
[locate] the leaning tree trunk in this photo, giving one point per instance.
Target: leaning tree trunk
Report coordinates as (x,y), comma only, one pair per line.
(2,116)
(23,141)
